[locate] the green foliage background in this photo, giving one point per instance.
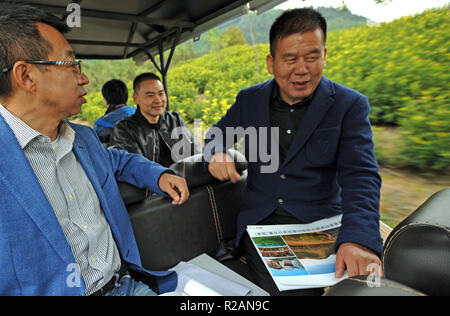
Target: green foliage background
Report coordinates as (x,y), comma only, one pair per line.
(402,67)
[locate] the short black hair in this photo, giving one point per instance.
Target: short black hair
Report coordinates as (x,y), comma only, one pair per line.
(144,77)
(296,21)
(115,92)
(20,38)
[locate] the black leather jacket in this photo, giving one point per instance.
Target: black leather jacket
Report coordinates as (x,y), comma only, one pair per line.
(135,135)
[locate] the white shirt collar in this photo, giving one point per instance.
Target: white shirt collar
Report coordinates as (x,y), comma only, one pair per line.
(25,134)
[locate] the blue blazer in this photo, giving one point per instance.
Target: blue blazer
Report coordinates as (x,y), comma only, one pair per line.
(329,170)
(35,257)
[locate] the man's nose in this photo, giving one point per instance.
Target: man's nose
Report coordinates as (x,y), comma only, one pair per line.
(159,99)
(301,67)
(83,79)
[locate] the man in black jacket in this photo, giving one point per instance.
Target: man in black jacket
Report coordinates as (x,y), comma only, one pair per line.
(153,132)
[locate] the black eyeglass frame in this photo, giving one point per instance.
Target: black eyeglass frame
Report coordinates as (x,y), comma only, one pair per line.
(49,62)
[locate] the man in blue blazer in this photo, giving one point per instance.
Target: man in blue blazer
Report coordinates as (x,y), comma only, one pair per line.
(64,229)
(322,159)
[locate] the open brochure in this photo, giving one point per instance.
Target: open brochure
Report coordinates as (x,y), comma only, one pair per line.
(299,256)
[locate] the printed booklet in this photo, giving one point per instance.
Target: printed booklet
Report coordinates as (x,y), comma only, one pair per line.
(299,256)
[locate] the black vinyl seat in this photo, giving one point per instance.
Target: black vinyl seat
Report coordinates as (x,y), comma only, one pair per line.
(416,257)
(167,234)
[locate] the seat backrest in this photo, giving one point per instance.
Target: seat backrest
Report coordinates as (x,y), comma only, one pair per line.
(191,169)
(417,252)
(131,194)
(167,234)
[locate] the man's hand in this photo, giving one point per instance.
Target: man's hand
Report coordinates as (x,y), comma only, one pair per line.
(357,259)
(222,167)
(175,186)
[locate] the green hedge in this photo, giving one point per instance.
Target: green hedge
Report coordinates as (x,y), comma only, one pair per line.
(204,88)
(394,62)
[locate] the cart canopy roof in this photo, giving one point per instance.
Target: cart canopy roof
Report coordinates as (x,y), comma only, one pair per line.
(138,29)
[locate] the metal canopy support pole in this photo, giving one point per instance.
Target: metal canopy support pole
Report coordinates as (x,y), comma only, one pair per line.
(172,50)
(163,67)
(163,70)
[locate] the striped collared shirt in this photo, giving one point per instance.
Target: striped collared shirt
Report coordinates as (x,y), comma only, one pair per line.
(73,199)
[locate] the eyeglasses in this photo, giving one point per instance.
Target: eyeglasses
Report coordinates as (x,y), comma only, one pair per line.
(48,62)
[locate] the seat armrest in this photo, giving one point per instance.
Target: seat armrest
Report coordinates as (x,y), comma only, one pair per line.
(369,286)
(192,169)
(417,252)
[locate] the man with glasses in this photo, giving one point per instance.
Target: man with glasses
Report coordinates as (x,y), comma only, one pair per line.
(48,62)
(61,215)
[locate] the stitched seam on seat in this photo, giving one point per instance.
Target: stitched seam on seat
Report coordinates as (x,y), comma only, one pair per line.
(213,207)
(213,211)
(390,286)
(388,246)
(217,213)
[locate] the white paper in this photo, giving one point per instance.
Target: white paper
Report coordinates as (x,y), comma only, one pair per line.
(299,256)
(196,281)
(195,288)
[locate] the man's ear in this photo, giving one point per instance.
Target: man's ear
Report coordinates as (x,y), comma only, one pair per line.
(23,76)
(269,60)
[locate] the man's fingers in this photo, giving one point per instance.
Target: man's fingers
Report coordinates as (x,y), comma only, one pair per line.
(184,193)
(352,269)
(222,167)
(175,187)
(340,267)
(173,194)
(224,171)
(179,186)
(362,268)
(357,259)
(232,174)
(216,171)
(235,177)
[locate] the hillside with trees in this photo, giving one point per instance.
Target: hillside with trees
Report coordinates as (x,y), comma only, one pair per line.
(255,28)
(401,66)
(337,19)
